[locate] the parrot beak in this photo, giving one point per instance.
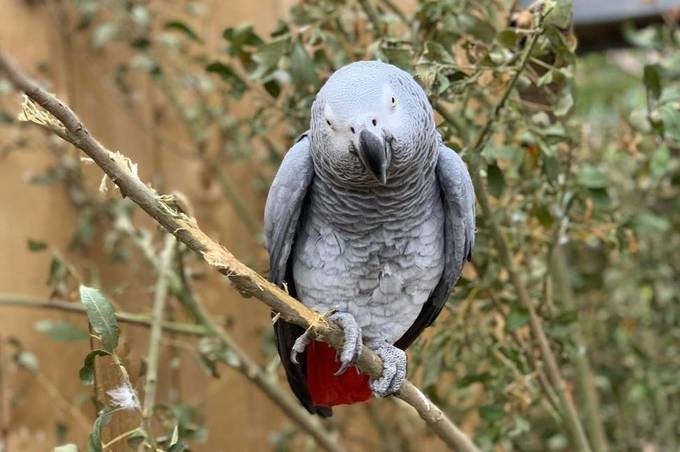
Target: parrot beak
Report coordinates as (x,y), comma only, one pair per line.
(375,155)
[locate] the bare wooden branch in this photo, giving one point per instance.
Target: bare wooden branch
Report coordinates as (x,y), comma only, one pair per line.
(160,298)
(22,301)
(122,172)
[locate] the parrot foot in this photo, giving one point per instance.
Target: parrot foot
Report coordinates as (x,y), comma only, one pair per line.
(299,346)
(350,349)
(353,340)
(394,370)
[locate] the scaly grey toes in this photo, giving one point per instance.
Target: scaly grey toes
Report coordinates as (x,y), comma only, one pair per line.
(352,345)
(394,371)
(299,346)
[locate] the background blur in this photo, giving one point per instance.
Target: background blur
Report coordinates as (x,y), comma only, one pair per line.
(582,169)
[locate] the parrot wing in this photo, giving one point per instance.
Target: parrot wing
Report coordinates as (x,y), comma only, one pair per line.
(283,211)
(458,196)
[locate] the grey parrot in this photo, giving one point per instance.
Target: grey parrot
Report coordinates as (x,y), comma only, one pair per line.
(369,219)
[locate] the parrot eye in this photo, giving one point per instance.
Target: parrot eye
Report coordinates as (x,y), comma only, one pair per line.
(375,123)
(329,123)
(352,129)
(393,101)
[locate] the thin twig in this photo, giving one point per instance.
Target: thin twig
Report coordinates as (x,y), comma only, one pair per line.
(397,11)
(124,317)
(372,16)
(185,228)
(58,397)
(120,437)
(152,357)
(4,397)
(584,373)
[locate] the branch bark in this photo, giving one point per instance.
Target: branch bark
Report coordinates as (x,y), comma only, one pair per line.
(123,173)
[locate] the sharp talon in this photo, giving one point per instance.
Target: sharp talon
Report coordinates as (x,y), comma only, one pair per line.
(349,353)
(299,346)
(342,370)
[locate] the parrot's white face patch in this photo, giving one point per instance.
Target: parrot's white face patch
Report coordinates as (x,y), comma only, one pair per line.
(376,110)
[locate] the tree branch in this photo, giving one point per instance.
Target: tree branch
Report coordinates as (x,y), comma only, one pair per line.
(123,173)
(160,298)
(4,397)
(22,301)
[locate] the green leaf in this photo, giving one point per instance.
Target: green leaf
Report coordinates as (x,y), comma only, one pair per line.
(567,317)
(268,57)
(302,67)
(564,104)
(491,413)
(103,34)
(542,213)
(592,177)
(61,331)
(398,54)
(660,160)
(94,441)
(670,116)
(648,37)
(516,319)
(66,448)
(648,222)
(437,53)
(496,180)
(600,198)
(102,317)
(469,379)
(507,38)
(226,73)
(180,26)
(87,371)
(178,447)
(241,36)
(546,79)
(559,12)
(35,245)
(652,79)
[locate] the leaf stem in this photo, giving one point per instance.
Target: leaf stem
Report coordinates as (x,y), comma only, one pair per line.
(120,437)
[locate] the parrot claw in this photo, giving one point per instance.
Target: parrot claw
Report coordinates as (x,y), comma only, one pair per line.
(394,371)
(299,346)
(353,340)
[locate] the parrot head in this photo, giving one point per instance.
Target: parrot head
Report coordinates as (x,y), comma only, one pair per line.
(370,121)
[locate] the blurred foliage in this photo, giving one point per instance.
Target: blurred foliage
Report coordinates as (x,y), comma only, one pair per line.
(583,162)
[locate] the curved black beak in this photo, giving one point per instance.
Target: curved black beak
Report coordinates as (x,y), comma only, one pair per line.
(375,155)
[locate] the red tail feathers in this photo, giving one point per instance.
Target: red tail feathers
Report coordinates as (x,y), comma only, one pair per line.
(325,388)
